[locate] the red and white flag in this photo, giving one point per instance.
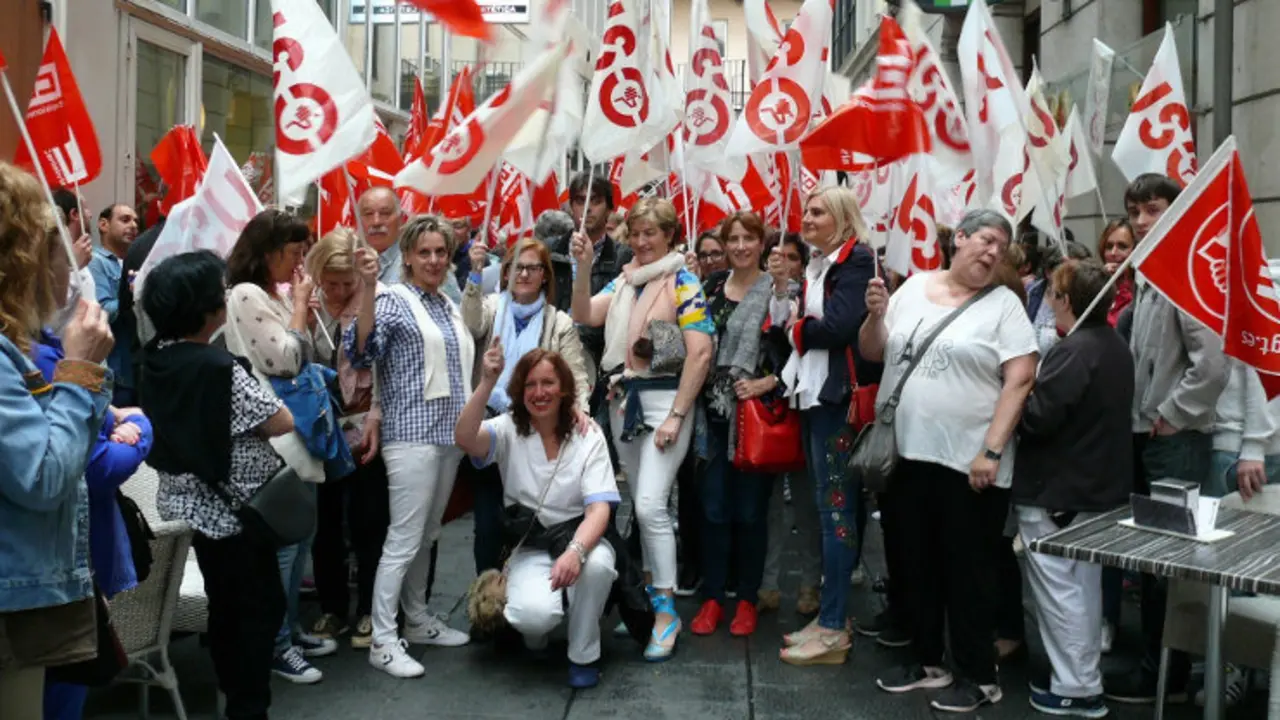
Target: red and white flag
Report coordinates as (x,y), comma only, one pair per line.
(470,151)
(708,115)
(994,101)
(764,35)
(323,112)
(1048,155)
(930,87)
(912,242)
(212,218)
(873,188)
(882,124)
(59,123)
(1205,255)
(552,130)
(336,208)
(779,108)
(377,166)
(416,136)
(1079,180)
(1156,137)
(1099,97)
(620,103)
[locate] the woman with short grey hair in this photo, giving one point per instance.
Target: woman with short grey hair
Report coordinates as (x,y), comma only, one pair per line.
(954,427)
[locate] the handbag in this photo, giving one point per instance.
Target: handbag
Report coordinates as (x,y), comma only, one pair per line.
(282,510)
(862,400)
(140,535)
(875,451)
(768,437)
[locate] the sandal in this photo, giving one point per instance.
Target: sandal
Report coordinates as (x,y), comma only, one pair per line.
(658,649)
(822,648)
(806,633)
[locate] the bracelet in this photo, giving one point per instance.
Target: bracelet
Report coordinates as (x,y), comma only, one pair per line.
(677,414)
(580,550)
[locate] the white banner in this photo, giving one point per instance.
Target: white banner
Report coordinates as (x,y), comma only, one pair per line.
(384,12)
(209,220)
(1095,105)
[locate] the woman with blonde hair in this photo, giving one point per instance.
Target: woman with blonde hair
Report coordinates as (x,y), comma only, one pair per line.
(424,357)
(46,431)
(658,343)
(362,495)
(824,365)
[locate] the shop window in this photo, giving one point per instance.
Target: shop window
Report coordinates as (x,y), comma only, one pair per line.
(159,101)
(229,16)
(236,104)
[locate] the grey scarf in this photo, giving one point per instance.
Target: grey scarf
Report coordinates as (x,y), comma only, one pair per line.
(738,355)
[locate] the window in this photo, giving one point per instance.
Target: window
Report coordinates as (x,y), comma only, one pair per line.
(262,24)
(236,104)
(161,87)
(229,16)
(179,5)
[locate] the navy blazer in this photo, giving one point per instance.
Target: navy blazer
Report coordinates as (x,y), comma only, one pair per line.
(843,310)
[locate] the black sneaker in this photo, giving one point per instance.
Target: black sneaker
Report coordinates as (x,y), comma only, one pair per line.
(906,678)
(873,627)
(688,584)
(1138,687)
(966,696)
(893,637)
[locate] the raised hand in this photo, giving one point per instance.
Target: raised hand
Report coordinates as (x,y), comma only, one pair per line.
(877,297)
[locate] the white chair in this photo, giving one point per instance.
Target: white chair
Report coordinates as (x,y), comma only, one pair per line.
(143,616)
(1249,637)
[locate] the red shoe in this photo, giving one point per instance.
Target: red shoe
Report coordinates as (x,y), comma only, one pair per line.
(707,619)
(744,620)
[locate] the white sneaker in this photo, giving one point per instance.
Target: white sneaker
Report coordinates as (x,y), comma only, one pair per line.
(393,659)
(433,631)
(1108,637)
(313,646)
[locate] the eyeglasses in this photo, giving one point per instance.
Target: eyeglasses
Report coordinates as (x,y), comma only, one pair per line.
(532,270)
(711,255)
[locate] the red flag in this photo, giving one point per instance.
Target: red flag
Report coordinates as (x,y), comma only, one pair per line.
(335,203)
(462,17)
(181,164)
(1205,255)
(4,64)
(59,123)
(461,103)
(418,124)
(377,166)
(881,123)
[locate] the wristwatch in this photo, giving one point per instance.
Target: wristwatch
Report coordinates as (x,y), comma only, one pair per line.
(990,454)
(580,550)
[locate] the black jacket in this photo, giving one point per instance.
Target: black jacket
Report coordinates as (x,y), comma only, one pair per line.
(608,265)
(1075,442)
(843,310)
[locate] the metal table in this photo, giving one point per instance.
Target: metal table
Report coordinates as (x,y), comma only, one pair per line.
(1248,561)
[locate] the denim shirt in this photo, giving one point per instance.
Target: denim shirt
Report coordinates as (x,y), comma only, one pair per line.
(46,435)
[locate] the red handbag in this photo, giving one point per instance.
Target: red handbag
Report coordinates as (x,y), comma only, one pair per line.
(768,437)
(862,402)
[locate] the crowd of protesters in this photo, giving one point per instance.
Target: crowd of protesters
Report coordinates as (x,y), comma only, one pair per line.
(551,374)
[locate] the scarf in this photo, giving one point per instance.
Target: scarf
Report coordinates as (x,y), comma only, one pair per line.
(189,406)
(520,329)
(740,341)
(617,324)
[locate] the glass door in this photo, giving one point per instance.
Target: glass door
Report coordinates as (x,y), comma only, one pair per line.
(162,77)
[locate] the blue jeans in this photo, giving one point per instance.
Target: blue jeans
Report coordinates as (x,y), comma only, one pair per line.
(1222,473)
(837,493)
(293,565)
(734,505)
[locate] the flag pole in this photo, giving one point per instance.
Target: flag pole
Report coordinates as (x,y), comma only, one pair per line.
(786,202)
(21,122)
(494,173)
(1115,277)
(79,205)
(355,204)
(1102,207)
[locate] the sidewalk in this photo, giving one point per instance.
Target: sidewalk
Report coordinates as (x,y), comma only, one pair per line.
(709,678)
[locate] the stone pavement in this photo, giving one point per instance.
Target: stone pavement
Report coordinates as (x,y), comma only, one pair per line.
(709,678)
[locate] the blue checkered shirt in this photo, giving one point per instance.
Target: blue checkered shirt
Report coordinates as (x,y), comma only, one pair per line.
(395,344)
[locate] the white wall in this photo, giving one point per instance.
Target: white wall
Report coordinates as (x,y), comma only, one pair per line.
(95,40)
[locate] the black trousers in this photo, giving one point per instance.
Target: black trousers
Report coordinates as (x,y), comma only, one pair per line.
(361,500)
(246,602)
(486,486)
(1010,623)
(950,534)
(690,515)
(895,559)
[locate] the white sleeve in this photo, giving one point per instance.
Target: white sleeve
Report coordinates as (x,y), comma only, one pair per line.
(598,481)
(1015,335)
(502,430)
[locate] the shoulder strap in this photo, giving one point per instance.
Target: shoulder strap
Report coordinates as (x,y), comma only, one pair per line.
(919,354)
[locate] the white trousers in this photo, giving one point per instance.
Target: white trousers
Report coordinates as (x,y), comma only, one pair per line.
(420,480)
(534,609)
(1068,595)
(651,473)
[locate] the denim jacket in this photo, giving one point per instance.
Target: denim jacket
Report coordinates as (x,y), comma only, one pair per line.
(46,434)
(315,416)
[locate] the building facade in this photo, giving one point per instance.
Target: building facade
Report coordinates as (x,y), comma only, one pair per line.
(1060,33)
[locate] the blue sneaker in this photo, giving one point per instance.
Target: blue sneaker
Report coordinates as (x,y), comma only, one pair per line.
(582,677)
(292,666)
(1050,704)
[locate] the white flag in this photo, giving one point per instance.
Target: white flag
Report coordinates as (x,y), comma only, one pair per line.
(931,89)
(1099,96)
(779,109)
(212,218)
(1081,177)
(1156,137)
(323,112)
(457,164)
(620,103)
(912,243)
(537,150)
(764,35)
(709,113)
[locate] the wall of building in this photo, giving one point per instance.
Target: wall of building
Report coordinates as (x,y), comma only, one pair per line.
(727,10)
(22,38)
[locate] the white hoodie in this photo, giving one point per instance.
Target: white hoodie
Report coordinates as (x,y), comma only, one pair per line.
(1246,423)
